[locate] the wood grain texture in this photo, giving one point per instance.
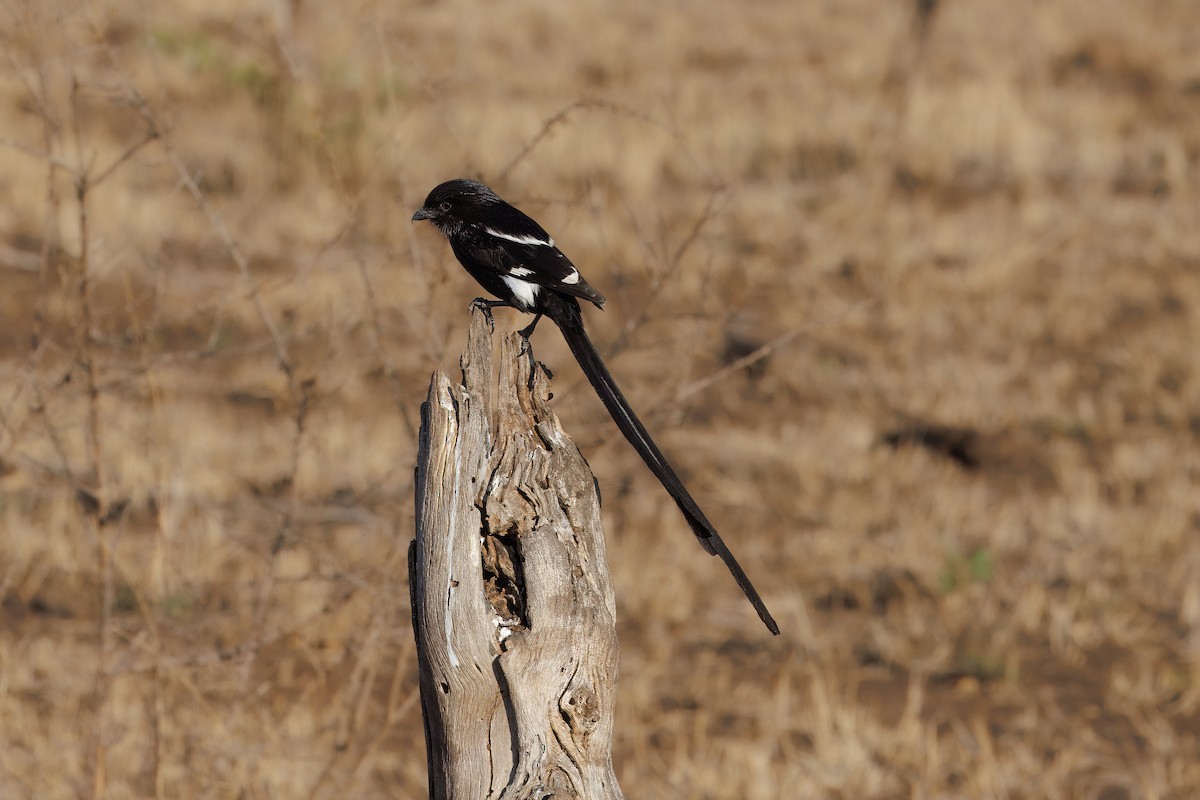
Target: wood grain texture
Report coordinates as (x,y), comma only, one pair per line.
(513,607)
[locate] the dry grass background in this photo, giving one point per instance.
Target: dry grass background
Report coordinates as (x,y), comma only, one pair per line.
(965,475)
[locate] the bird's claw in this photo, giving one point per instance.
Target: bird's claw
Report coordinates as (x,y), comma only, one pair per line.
(480,304)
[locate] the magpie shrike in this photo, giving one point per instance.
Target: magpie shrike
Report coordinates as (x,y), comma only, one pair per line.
(513,258)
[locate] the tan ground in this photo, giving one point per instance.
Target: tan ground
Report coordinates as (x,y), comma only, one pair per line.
(966,474)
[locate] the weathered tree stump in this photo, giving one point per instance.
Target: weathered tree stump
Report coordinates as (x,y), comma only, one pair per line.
(513,607)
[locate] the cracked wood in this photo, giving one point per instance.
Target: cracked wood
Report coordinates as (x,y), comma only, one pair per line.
(513,607)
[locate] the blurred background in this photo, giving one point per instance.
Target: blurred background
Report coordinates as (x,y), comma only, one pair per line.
(910,292)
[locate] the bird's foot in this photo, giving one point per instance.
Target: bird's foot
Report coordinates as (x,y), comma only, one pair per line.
(486,306)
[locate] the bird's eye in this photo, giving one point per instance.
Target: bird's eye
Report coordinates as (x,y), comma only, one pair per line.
(444,205)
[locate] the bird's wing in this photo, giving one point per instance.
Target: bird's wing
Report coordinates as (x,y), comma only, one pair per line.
(529,254)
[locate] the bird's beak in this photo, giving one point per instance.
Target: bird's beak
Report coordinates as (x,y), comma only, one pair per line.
(422,213)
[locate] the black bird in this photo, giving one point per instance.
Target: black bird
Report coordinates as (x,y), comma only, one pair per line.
(512,257)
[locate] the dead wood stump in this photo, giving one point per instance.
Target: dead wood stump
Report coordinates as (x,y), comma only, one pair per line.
(513,608)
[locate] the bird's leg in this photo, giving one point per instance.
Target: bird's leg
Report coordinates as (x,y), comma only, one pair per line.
(527,347)
(527,331)
(486,306)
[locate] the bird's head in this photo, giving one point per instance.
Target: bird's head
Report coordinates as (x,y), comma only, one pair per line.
(452,203)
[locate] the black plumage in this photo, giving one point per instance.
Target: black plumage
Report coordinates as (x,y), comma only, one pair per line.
(499,245)
(515,260)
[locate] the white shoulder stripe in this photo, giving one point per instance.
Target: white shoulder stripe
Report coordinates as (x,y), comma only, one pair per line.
(520,239)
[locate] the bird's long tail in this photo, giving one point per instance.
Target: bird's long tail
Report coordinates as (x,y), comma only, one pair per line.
(565,313)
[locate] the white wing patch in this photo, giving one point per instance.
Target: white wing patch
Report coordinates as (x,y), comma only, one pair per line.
(524,292)
(520,272)
(573,278)
(549,242)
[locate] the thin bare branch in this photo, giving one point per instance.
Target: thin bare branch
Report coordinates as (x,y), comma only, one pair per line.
(739,364)
(150,136)
(218,226)
(584,104)
(32,151)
